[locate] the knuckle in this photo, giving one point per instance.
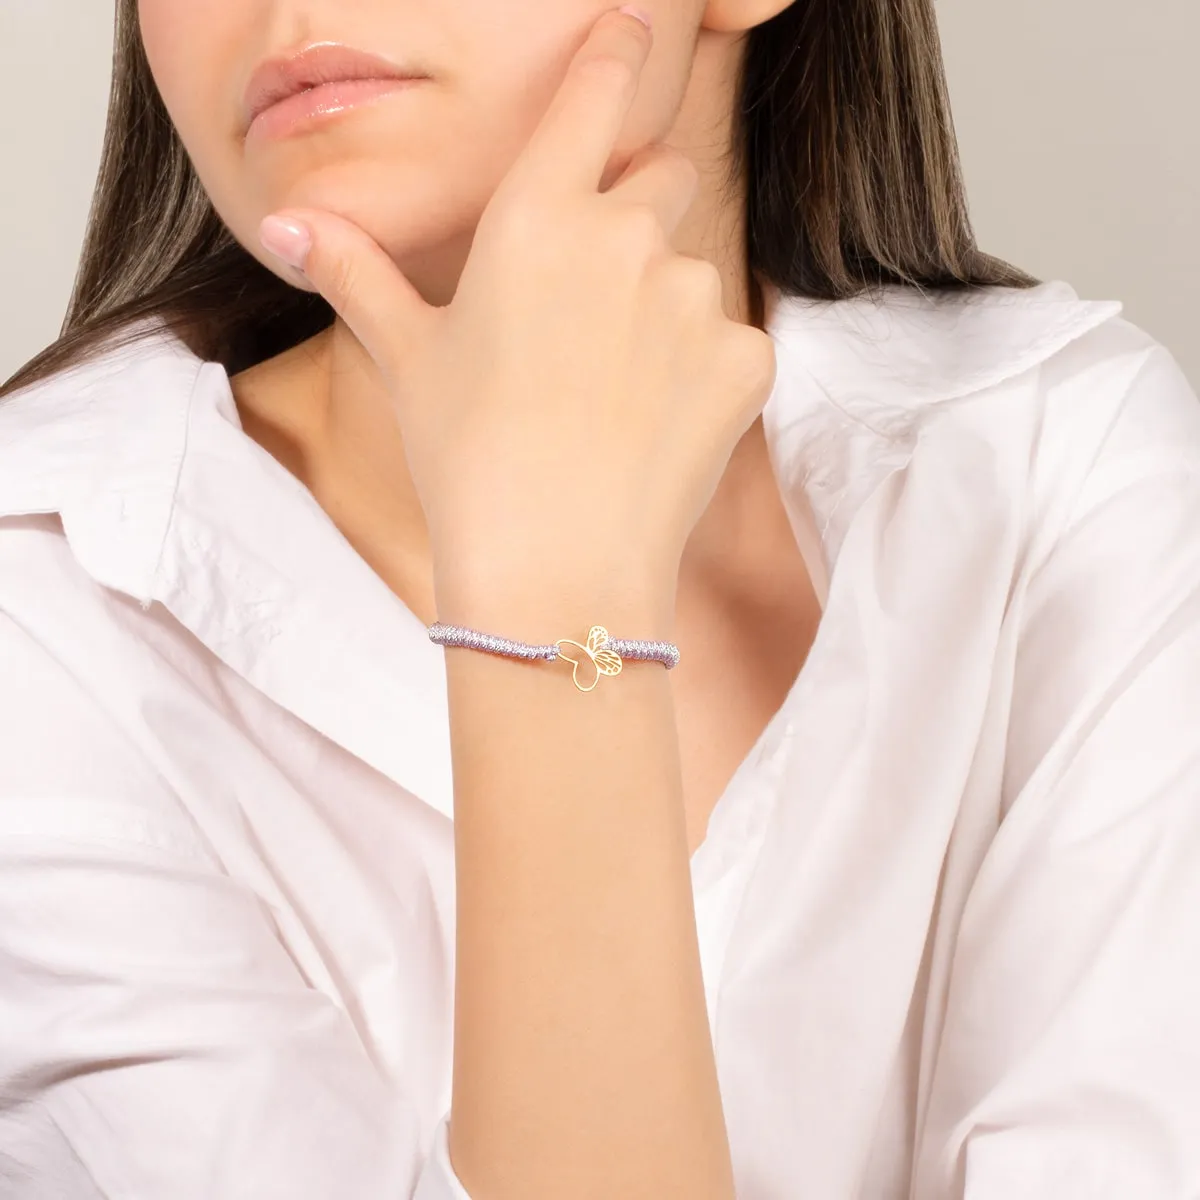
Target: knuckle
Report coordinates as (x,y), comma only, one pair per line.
(638,232)
(519,221)
(695,283)
(686,173)
(750,359)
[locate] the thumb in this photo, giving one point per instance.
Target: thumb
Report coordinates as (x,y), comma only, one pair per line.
(357,276)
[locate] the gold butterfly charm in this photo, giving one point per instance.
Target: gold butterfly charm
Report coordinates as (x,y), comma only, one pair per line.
(606,662)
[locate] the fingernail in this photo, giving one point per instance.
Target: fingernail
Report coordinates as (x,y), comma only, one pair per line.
(287,239)
(641,14)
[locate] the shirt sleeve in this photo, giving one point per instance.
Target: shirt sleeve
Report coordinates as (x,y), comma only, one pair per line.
(156,1038)
(1068,1065)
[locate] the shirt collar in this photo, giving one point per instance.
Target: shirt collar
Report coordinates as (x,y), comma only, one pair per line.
(904,349)
(858,378)
(141,453)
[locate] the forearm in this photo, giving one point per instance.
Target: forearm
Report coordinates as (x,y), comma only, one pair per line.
(583,1064)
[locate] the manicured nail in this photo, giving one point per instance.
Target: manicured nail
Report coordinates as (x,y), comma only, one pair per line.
(286,239)
(641,14)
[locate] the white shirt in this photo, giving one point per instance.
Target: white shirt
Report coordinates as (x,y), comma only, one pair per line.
(949,905)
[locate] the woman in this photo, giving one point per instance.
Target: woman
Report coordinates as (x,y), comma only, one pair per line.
(587,334)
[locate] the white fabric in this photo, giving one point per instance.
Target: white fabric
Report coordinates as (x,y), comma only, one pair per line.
(949,906)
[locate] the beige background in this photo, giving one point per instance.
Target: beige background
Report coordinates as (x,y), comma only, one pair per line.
(1079,122)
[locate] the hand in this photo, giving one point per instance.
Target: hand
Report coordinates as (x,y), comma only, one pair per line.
(570,413)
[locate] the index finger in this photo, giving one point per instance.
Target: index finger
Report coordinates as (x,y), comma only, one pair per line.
(575,138)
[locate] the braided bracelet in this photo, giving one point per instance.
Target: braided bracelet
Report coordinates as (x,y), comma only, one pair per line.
(605,654)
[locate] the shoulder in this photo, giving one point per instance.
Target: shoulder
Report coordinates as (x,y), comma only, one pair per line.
(100,445)
(1129,393)
(87,462)
(106,420)
(991,398)
(1080,401)
(1108,592)
(80,681)
(1117,421)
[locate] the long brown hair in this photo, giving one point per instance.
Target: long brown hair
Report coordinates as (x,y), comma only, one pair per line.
(843,136)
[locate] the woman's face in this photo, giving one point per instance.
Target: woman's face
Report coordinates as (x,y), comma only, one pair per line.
(417,168)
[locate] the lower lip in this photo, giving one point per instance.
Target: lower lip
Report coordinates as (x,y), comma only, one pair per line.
(322,103)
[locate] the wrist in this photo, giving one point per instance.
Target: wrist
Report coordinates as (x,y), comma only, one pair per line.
(556,600)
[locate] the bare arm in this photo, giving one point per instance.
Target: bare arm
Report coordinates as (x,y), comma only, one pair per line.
(583,1064)
(566,420)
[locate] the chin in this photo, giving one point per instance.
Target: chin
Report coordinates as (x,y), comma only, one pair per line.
(401,206)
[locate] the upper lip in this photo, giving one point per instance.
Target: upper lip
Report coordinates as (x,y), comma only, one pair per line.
(323,62)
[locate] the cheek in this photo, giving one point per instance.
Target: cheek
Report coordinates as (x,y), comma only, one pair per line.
(416,169)
(517,71)
(195,49)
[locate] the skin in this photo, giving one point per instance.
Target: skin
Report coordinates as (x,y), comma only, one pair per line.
(567,1093)
(745,600)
